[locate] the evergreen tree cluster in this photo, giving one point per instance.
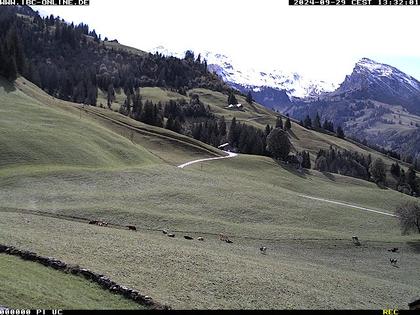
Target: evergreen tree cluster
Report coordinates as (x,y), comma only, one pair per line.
(407,182)
(325,126)
(378,148)
(71,61)
(279,145)
(12,60)
(249,98)
(306,159)
(232,99)
(247,139)
(279,123)
(211,131)
(147,112)
(328,125)
(343,162)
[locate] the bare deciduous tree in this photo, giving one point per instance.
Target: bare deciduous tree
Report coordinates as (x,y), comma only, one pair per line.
(409,217)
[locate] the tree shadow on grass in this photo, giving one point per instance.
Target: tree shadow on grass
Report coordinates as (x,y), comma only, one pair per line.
(292,134)
(302,173)
(328,175)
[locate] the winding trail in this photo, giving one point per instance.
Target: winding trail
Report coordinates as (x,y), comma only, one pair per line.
(229,155)
(347,205)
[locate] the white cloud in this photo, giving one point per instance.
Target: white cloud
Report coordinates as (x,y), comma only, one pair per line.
(321,42)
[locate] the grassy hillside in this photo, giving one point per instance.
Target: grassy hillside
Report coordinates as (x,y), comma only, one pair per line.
(33,134)
(155,140)
(311,260)
(259,116)
(118,46)
(29,285)
(304,274)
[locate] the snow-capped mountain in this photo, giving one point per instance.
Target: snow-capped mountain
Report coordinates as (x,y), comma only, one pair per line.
(383,83)
(376,101)
(247,78)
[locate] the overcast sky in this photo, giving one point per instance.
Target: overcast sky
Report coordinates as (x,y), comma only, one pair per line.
(319,42)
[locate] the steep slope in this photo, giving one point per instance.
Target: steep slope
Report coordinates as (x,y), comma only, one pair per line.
(302,139)
(383,83)
(166,146)
(36,135)
(377,102)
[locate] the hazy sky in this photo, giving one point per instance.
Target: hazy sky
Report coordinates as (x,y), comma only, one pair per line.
(319,42)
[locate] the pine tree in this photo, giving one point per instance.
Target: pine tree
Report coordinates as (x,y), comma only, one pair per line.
(317,122)
(288,124)
(249,98)
(232,99)
(396,170)
(412,179)
(307,122)
(267,130)
(377,171)
(279,122)
(147,113)
(137,104)
(306,160)
(222,126)
(170,123)
(278,144)
(340,132)
(189,56)
(110,95)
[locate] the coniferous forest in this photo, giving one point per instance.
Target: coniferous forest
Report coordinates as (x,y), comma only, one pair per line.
(71,61)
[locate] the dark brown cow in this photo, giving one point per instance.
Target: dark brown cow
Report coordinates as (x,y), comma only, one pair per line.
(100,223)
(132,227)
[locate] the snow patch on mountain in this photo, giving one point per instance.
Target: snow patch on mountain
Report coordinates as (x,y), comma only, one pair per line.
(295,85)
(383,70)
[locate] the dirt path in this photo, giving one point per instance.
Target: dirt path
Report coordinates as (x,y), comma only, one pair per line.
(229,155)
(348,205)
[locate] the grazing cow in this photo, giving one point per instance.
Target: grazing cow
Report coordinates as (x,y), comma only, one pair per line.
(393,261)
(188,237)
(356,240)
(224,238)
(394,249)
(132,227)
(171,235)
(200,238)
(263,250)
(100,223)
(164,232)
